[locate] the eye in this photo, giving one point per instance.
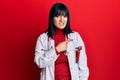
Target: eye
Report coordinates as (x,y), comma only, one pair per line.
(65,15)
(57,16)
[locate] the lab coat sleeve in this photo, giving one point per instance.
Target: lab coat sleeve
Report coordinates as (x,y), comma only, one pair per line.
(44,58)
(82,63)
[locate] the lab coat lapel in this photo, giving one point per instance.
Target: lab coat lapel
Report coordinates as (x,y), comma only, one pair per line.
(50,43)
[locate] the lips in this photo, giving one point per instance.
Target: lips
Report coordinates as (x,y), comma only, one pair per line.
(61,24)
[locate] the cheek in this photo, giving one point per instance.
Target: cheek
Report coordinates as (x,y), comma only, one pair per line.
(66,20)
(55,21)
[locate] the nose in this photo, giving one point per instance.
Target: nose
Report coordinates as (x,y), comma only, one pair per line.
(61,18)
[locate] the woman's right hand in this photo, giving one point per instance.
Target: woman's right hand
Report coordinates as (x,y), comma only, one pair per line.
(62,46)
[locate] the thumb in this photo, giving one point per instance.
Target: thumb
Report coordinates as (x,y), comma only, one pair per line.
(69,40)
(66,41)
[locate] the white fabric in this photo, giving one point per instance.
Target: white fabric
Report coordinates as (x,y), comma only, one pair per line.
(45,56)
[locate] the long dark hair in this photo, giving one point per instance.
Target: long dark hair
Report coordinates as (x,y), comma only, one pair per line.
(56,10)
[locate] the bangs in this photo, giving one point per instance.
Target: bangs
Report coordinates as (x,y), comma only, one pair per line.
(61,13)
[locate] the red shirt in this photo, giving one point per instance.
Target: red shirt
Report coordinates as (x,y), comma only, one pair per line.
(62,71)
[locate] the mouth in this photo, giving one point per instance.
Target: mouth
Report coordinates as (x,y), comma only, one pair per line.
(61,24)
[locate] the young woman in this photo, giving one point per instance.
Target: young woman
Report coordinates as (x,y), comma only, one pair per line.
(60,52)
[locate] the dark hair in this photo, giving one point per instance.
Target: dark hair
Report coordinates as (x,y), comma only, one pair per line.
(56,10)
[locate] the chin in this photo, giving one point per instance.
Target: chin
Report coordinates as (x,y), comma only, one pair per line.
(62,27)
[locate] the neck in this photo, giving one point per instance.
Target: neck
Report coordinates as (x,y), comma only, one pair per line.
(59,31)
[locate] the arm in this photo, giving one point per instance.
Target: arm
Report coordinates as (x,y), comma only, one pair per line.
(82,63)
(44,58)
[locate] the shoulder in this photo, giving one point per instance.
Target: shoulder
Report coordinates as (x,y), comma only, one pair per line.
(76,38)
(75,34)
(43,36)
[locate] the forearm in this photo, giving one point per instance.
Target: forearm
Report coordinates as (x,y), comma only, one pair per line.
(45,58)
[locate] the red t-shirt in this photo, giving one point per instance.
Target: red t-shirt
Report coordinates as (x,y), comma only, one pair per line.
(62,71)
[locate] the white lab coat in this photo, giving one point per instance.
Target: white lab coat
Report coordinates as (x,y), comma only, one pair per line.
(45,57)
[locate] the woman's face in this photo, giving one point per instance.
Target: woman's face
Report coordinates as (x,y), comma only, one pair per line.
(60,21)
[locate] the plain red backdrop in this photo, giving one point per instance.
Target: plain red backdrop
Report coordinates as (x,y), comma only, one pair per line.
(22,21)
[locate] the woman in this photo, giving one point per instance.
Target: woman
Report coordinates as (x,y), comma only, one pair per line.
(60,52)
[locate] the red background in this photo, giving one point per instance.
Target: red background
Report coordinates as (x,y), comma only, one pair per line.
(22,21)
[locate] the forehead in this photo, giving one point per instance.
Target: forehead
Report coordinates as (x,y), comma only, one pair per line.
(60,12)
